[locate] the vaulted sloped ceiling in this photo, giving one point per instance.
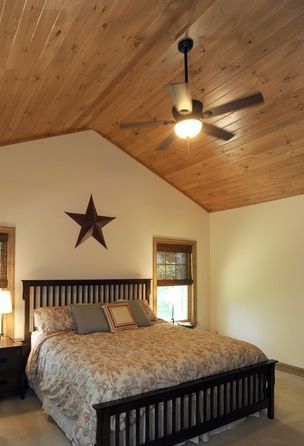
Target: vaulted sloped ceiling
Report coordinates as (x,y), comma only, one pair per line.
(68,65)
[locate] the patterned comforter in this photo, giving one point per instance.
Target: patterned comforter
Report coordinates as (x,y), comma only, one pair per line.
(75,371)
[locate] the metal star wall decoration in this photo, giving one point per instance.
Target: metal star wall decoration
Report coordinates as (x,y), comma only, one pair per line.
(91,224)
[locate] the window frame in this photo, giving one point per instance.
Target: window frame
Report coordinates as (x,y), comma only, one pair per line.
(192,289)
(9,318)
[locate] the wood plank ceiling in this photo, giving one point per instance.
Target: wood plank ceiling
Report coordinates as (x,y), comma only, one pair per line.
(67,65)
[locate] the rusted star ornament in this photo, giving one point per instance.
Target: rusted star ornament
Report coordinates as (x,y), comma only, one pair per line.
(91,224)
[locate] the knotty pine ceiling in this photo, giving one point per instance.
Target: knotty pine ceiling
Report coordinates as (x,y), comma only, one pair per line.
(68,65)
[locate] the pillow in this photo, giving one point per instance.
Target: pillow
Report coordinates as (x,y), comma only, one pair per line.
(148,310)
(49,319)
(139,314)
(89,318)
(119,316)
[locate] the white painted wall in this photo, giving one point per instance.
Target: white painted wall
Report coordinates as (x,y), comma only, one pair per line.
(42,179)
(257,252)
(257,276)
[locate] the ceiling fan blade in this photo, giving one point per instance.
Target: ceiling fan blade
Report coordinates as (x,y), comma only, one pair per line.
(212,130)
(181,97)
(139,125)
(237,104)
(166,142)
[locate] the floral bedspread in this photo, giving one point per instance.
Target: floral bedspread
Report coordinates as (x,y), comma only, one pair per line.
(75,371)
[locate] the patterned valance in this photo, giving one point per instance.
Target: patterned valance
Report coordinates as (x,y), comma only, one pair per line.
(3,260)
(174,264)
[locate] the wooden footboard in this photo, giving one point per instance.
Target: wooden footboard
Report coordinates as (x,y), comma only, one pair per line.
(169,416)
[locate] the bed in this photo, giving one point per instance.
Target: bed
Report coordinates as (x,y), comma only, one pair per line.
(189,403)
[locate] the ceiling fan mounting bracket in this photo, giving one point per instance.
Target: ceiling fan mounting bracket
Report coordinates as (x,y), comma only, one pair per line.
(185,45)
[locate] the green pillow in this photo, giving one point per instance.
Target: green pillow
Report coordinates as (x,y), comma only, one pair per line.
(138,312)
(89,318)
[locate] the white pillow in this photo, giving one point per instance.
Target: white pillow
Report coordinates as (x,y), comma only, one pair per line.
(119,316)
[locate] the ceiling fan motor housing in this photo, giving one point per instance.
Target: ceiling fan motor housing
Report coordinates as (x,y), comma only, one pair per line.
(197,110)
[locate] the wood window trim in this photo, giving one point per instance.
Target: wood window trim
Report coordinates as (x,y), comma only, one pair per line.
(192,289)
(9,318)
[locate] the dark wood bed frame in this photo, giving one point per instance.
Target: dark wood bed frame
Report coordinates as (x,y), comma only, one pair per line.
(177,413)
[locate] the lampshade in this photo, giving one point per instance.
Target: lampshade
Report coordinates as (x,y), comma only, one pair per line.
(188,128)
(5,302)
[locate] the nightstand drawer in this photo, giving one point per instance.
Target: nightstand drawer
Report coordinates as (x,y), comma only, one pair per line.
(9,382)
(9,359)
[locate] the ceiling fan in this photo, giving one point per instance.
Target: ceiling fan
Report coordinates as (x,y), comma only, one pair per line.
(188,113)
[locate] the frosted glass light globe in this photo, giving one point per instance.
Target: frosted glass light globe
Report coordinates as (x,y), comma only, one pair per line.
(188,128)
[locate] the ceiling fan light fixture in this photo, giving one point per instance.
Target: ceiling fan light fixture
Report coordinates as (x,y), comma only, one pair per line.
(188,128)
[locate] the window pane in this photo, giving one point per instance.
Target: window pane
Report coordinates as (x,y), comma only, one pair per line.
(170,257)
(170,272)
(161,272)
(181,257)
(161,257)
(172,298)
(181,272)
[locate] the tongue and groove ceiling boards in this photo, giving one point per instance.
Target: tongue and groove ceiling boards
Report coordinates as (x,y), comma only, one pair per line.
(69,65)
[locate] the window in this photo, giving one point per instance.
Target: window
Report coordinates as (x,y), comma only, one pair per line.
(175,279)
(7,270)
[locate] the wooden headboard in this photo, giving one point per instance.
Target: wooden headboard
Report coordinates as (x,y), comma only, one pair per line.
(49,293)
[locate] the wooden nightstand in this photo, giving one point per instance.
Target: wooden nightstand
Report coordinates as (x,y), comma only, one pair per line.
(13,357)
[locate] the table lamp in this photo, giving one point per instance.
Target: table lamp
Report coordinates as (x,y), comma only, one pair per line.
(5,306)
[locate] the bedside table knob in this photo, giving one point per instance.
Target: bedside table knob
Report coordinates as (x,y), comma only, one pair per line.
(3,360)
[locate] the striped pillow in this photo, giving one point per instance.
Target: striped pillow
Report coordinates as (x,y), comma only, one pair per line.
(119,316)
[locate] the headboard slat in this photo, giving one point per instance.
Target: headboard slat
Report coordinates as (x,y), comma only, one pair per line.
(38,293)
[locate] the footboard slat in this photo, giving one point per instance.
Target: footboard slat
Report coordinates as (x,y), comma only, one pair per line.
(254,392)
(156,421)
(182,412)
(231,405)
(117,429)
(244,390)
(147,430)
(190,410)
(225,398)
(128,428)
(197,411)
(165,419)
(137,427)
(174,416)
(168,414)
(211,405)
(237,405)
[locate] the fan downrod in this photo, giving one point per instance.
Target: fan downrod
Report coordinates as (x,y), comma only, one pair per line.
(185,45)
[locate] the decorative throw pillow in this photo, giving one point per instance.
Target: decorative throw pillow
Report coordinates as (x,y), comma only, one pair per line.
(119,316)
(140,316)
(89,318)
(49,319)
(148,310)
